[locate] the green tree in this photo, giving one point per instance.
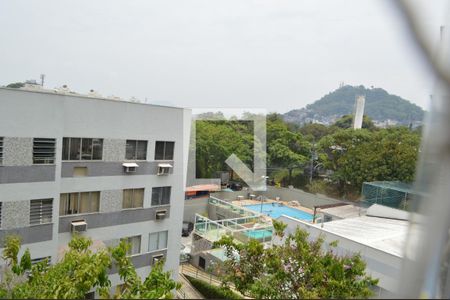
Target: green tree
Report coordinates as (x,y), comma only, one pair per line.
(356,156)
(347,122)
(285,148)
(16,85)
(295,269)
(77,273)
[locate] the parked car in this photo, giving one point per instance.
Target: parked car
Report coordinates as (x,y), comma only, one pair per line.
(187,228)
(185,253)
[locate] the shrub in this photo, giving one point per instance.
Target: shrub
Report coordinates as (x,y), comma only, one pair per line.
(211,291)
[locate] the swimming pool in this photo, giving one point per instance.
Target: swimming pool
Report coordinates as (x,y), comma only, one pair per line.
(275,210)
(259,234)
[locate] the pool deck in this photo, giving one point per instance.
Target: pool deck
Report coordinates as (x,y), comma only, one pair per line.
(245,202)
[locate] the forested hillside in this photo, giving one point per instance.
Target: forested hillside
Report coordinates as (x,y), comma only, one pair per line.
(380,106)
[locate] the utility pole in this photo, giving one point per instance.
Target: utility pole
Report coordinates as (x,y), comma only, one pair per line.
(42,79)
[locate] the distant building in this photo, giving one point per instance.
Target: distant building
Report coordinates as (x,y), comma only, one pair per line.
(359,112)
(108,169)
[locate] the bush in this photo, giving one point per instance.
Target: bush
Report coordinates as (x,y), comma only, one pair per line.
(211,291)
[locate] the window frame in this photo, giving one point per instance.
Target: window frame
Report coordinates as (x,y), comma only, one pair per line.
(1,149)
(136,150)
(67,203)
(161,195)
(158,233)
(164,150)
(127,239)
(43,208)
(48,141)
(133,200)
(68,151)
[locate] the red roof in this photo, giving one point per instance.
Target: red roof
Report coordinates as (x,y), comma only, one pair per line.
(203,187)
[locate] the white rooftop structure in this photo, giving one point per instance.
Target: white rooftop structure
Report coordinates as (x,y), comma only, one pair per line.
(387,235)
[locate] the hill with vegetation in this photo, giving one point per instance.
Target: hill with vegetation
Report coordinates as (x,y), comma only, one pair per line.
(380,106)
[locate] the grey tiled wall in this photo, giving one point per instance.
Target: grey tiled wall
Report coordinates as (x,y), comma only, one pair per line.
(114,150)
(15,214)
(17,151)
(111,200)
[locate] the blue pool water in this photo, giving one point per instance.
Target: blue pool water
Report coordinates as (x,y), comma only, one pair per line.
(276,210)
(259,234)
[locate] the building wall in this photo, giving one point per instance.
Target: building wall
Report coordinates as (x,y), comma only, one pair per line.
(57,116)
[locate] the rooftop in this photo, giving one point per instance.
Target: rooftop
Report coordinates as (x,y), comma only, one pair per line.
(387,235)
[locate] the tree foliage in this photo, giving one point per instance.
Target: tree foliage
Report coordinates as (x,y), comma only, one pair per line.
(77,273)
(16,85)
(356,156)
(295,269)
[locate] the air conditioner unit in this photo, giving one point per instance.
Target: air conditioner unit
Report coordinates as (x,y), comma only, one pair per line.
(164,169)
(157,258)
(78,226)
(161,214)
(130,167)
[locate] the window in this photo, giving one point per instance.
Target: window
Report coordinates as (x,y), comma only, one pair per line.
(133,198)
(136,150)
(82,149)
(157,241)
(41,211)
(47,259)
(80,171)
(79,203)
(44,151)
(134,244)
(161,195)
(164,150)
(1,150)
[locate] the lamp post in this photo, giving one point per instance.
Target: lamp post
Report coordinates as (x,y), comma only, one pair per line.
(265,179)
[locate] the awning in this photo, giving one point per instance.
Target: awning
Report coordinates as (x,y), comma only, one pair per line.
(129,165)
(165,166)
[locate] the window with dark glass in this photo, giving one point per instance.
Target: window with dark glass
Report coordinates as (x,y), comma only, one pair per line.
(161,195)
(136,150)
(82,149)
(164,150)
(44,151)
(79,203)
(1,150)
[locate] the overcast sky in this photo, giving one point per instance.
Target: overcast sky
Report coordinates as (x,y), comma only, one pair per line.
(278,55)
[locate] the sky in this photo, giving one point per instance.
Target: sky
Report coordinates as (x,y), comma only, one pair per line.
(275,55)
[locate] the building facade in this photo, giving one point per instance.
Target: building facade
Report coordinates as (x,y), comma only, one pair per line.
(109,169)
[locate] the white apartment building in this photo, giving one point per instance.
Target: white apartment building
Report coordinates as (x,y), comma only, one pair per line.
(109,169)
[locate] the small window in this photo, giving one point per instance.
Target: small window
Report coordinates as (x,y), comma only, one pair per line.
(79,203)
(161,195)
(136,150)
(82,149)
(80,171)
(133,198)
(134,244)
(41,211)
(1,150)
(164,150)
(44,151)
(157,241)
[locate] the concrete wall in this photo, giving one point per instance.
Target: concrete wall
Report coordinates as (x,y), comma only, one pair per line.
(15,214)
(384,266)
(17,151)
(194,206)
(114,150)
(111,200)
